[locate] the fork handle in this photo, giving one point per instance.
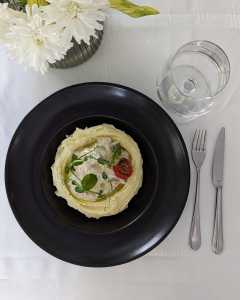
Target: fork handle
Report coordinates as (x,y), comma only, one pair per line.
(217,238)
(195,231)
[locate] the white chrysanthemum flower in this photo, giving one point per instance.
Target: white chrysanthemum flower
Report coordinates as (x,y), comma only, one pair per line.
(79,18)
(33,42)
(4,22)
(8,17)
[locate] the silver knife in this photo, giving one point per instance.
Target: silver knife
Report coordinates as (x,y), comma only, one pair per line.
(217,178)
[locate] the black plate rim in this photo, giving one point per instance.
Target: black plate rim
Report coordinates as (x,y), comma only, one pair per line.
(45,247)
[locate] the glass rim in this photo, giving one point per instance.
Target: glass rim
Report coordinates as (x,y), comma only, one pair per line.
(216,46)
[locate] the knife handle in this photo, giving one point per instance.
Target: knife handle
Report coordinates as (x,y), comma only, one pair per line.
(217,238)
(195,231)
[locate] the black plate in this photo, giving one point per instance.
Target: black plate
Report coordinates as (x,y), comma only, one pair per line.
(63,231)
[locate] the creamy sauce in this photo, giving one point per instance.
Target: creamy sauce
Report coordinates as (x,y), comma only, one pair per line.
(98,160)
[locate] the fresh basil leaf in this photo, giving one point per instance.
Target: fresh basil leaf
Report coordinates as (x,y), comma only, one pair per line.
(104,175)
(89,181)
(132,9)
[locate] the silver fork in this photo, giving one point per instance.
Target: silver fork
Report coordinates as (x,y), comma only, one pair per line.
(198,156)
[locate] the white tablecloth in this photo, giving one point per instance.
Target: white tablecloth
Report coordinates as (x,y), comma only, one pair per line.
(133,53)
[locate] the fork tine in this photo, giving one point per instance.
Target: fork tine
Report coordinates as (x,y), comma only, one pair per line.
(204,140)
(198,140)
(201,148)
(195,139)
(201,143)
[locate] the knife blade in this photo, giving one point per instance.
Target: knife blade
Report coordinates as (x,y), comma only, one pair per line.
(218,160)
(217,178)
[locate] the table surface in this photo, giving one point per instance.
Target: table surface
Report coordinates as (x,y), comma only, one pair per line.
(133,53)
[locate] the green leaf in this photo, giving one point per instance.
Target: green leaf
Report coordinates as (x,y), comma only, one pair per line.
(74,157)
(89,181)
(116,152)
(103,161)
(38,2)
(22,3)
(132,9)
(74,182)
(104,175)
(76,163)
(79,189)
(73,164)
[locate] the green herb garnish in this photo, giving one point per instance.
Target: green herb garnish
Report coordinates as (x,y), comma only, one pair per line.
(74,157)
(103,161)
(79,189)
(76,163)
(116,152)
(89,181)
(86,184)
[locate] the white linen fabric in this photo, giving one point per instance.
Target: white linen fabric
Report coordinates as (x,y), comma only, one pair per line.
(133,53)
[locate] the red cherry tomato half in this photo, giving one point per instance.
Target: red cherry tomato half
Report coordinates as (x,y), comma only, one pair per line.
(123,169)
